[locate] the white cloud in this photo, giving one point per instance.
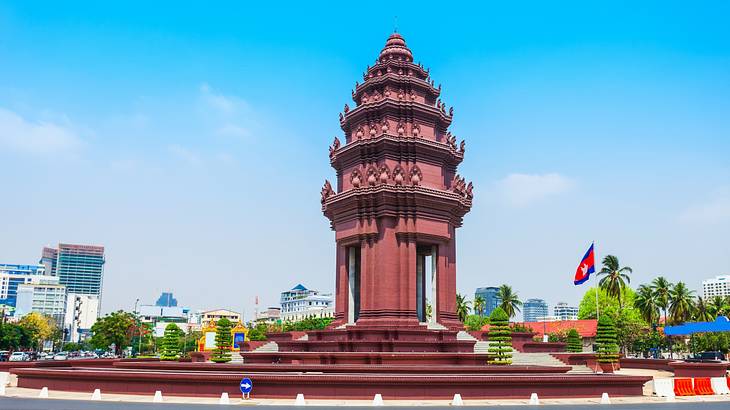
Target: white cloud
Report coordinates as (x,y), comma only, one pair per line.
(228,116)
(185,154)
(35,137)
(523,189)
(712,211)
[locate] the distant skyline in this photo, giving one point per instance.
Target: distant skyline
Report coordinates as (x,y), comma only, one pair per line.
(187,140)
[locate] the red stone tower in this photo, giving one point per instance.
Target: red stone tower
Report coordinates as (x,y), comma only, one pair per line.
(398,199)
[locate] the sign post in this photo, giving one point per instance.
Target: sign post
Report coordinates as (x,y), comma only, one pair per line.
(246,387)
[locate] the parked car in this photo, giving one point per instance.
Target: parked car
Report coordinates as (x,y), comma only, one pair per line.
(61,356)
(4,355)
(707,357)
(19,357)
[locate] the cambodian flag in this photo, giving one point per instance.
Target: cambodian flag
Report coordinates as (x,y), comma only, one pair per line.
(586,267)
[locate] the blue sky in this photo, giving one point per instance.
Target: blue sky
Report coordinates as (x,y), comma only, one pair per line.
(191,140)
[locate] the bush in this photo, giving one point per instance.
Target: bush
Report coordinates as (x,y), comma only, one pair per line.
(606,340)
(223,341)
(575,343)
(500,338)
(475,322)
(517,327)
(171,343)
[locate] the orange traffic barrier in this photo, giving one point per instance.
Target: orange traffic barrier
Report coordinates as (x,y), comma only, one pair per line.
(683,387)
(703,386)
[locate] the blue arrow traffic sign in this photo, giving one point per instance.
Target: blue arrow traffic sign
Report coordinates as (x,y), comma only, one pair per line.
(246,385)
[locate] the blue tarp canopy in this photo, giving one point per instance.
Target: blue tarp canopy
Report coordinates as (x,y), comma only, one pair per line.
(721,324)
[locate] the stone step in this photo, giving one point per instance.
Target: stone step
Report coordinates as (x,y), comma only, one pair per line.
(268,347)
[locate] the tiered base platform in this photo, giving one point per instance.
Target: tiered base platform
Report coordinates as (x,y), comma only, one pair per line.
(340,364)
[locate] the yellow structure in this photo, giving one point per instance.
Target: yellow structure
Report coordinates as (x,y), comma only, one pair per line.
(239,335)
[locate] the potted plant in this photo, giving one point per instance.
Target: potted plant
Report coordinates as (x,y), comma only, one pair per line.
(607,344)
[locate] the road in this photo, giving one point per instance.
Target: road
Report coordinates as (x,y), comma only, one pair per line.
(11,403)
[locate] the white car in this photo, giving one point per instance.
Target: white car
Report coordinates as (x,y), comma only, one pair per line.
(18,357)
(61,356)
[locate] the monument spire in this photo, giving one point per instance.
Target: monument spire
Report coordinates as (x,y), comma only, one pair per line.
(398,198)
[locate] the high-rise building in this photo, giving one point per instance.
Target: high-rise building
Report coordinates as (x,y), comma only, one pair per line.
(718,286)
(47,297)
(534,309)
(300,303)
(166,299)
(12,276)
(491,299)
(80,268)
(562,311)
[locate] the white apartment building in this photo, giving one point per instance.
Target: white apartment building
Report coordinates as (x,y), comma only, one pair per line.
(719,286)
(300,303)
(47,297)
(562,311)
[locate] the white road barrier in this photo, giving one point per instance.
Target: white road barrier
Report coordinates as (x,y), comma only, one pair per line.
(664,387)
(224,399)
(719,385)
(158,397)
(300,400)
(96,395)
(605,399)
(44,393)
(378,400)
(457,401)
(534,400)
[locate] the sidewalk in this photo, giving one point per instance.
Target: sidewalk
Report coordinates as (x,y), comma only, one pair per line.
(33,393)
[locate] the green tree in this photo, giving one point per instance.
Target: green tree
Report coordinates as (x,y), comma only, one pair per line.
(171,343)
(500,338)
(662,287)
(115,328)
(701,311)
(479,305)
(475,322)
(14,337)
(680,303)
(462,307)
(575,343)
(647,303)
(717,306)
(615,278)
(606,340)
(510,302)
(223,341)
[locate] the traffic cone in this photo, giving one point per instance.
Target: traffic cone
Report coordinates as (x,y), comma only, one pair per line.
(224,399)
(605,399)
(158,397)
(44,393)
(378,400)
(96,395)
(300,400)
(534,400)
(456,401)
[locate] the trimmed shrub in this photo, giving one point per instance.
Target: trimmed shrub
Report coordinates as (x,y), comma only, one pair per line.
(171,343)
(606,340)
(223,341)
(575,342)
(500,338)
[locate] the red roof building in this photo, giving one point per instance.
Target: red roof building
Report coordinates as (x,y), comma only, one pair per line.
(585,328)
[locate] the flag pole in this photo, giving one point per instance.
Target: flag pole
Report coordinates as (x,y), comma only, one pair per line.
(597,285)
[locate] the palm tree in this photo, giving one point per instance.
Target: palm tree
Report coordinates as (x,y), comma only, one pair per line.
(680,303)
(615,278)
(702,310)
(717,306)
(510,302)
(462,307)
(646,302)
(479,304)
(662,287)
